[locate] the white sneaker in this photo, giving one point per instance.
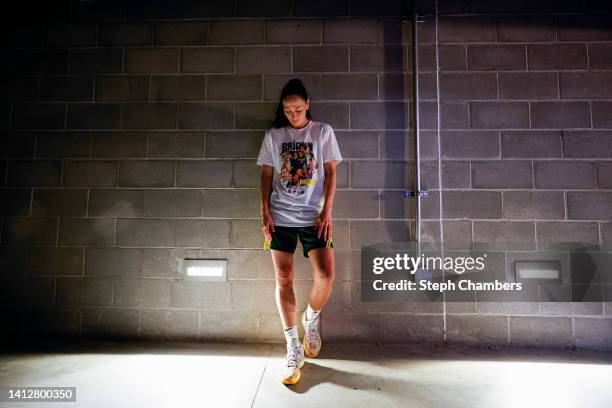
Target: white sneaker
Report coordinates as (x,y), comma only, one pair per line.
(290,373)
(312,339)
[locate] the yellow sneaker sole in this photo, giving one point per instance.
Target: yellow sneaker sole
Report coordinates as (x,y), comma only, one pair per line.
(295,379)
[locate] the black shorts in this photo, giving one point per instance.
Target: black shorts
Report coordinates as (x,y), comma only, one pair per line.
(285,239)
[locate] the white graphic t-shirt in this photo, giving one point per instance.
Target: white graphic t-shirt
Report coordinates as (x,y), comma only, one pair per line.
(298,156)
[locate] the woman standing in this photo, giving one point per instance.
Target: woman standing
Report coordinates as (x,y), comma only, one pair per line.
(298,183)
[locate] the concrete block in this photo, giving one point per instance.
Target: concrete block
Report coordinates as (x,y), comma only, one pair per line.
(379,174)
(602,114)
(55,261)
(29,231)
(410,329)
(455,174)
(116,203)
(244,144)
(202,233)
(356,204)
(246,234)
(59,202)
(119,144)
(231,204)
(140,173)
(96,61)
(593,333)
(170,324)
(533,205)
(124,88)
(263,60)
(202,115)
(296,31)
(375,232)
(379,115)
(234,88)
(148,232)
(86,232)
(454,115)
(236,32)
(246,173)
(207,60)
(530,144)
(73,35)
(25,291)
(349,86)
(66,88)
(604,174)
(591,28)
(560,115)
(318,8)
(201,295)
(469,144)
(477,330)
(467,29)
(600,55)
(468,86)
(151,60)
(178,88)
(501,174)
(110,322)
(20,144)
(15,201)
(371,58)
(37,116)
(452,57)
(84,291)
(499,115)
(35,173)
(589,205)
(204,173)
(541,57)
(173,203)
(253,295)
(564,174)
(507,235)
(142,292)
(541,331)
(587,144)
(254,115)
(472,204)
(528,85)
(113,262)
(94,116)
(181,33)
(234,325)
(150,116)
(176,144)
(345,327)
(86,173)
(496,57)
(124,34)
(336,114)
(526,29)
(457,234)
(350,31)
(52,321)
(585,85)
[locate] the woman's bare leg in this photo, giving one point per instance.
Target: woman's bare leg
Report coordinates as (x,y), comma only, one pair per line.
(285,296)
(323,274)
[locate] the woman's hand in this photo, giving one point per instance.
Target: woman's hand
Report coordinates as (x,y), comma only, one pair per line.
(267,225)
(324,225)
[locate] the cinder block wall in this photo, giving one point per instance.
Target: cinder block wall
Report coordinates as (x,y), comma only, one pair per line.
(130,131)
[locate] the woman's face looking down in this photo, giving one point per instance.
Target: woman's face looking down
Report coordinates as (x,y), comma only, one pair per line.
(295,110)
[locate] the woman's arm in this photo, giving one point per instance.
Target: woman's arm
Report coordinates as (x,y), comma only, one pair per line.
(325,219)
(265,190)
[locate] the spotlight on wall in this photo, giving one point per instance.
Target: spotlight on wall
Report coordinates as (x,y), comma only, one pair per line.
(205,269)
(549,271)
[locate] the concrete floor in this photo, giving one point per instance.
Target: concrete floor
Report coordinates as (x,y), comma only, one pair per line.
(175,374)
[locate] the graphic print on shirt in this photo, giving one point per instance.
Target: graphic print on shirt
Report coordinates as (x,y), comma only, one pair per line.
(298,166)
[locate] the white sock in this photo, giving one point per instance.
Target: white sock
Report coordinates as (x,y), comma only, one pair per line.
(311,314)
(291,335)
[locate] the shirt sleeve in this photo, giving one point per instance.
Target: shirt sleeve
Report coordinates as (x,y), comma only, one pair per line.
(330,147)
(265,152)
